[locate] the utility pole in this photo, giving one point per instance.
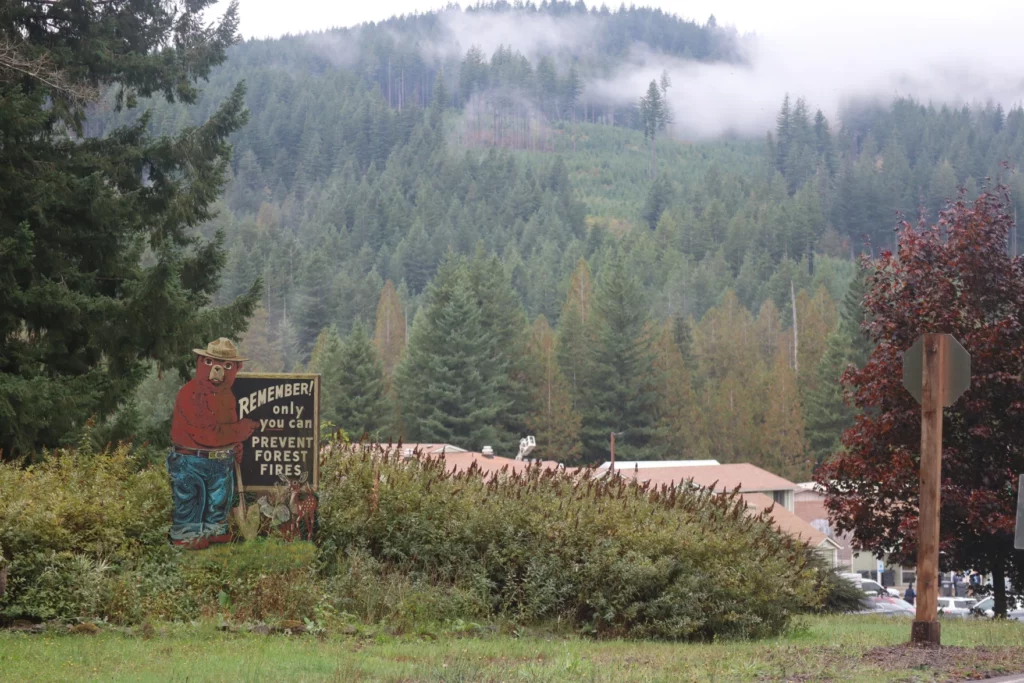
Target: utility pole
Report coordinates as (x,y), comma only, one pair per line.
(926,628)
(613,452)
(936,370)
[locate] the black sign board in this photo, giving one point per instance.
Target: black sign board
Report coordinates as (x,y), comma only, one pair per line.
(287,441)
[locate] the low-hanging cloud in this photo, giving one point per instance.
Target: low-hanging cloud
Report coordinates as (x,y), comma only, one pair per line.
(532,34)
(968,57)
(934,60)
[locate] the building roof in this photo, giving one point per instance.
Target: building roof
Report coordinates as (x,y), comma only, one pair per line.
(432,448)
(463,460)
(724,477)
(787,522)
(456,458)
(647,464)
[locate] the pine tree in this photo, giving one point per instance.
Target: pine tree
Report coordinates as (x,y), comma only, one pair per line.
(575,334)
(504,323)
(851,317)
(259,346)
(449,381)
(678,419)
(361,405)
(389,330)
(658,199)
(654,117)
(553,421)
(828,415)
(438,100)
(783,450)
(83,315)
(731,374)
(313,309)
(620,395)
(817,317)
(325,360)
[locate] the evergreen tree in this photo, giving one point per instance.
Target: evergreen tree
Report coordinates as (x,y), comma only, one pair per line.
(259,345)
(449,380)
(361,405)
(325,360)
(678,418)
(575,336)
(620,396)
(83,315)
(553,421)
(504,323)
(828,415)
(314,302)
(389,330)
(658,199)
(852,316)
(783,450)
(655,117)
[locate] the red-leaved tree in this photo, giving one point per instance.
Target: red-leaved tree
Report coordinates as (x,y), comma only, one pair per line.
(954,277)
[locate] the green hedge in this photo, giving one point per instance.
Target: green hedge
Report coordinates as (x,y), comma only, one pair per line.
(607,556)
(407,545)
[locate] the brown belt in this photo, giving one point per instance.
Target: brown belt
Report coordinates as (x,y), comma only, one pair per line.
(202,453)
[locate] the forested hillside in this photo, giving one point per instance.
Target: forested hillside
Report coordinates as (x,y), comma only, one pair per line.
(471,246)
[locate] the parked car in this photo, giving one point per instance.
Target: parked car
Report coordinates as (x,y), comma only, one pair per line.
(956,607)
(872,587)
(888,606)
(986,607)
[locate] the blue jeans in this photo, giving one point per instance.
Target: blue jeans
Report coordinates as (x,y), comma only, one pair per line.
(203,491)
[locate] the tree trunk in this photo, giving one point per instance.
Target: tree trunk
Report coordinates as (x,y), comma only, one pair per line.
(796,336)
(999,590)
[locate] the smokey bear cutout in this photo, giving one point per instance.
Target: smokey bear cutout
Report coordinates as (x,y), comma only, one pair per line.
(207,441)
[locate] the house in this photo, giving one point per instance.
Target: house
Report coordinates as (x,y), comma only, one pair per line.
(749,478)
(758,488)
(789,523)
(456,458)
(644,464)
(810,506)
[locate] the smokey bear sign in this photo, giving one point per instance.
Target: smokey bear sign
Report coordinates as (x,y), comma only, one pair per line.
(285,443)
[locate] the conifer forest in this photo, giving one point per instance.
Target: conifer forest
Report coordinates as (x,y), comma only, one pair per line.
(474,243)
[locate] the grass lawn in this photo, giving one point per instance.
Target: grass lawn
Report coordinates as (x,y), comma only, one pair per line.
(834,648)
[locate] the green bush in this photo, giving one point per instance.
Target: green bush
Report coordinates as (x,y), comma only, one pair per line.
(73,526)
(407,545)
(610,557)
(266,578)
(840,594)
(376,593)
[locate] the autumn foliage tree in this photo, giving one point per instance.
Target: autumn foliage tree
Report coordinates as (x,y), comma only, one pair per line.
(553,420)
(954,277)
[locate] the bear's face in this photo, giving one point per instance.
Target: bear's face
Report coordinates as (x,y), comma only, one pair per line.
(218,373)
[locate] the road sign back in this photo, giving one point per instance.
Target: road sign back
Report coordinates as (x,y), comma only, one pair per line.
(1018,539)
(957,370)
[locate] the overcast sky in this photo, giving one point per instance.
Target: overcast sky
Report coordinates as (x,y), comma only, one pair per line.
(263,18)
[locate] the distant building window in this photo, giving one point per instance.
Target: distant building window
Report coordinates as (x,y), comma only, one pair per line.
(779,497)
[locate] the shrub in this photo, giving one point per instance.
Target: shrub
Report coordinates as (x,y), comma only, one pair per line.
(72,525)
(409,545)
(839,594)
(260,579)
(611,557)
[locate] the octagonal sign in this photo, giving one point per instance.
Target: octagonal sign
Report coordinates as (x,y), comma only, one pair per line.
(957,370)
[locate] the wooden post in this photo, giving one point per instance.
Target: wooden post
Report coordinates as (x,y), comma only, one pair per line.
(926,627)
(613,452)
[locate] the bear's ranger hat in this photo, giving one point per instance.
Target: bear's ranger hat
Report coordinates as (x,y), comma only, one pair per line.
(222,349)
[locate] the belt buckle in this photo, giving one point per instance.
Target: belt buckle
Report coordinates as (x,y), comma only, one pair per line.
(218,455)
